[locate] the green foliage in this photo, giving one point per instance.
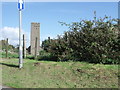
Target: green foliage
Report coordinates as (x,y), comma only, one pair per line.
(45,45)
(10,55)
(43,55)
(95,41)
(2,44)
(11,48)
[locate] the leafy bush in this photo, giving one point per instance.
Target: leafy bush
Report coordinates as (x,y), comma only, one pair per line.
(46,56)
(95,41)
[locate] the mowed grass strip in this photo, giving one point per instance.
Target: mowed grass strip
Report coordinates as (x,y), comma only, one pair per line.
(49,74)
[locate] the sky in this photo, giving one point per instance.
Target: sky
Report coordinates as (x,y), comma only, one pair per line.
(48,14)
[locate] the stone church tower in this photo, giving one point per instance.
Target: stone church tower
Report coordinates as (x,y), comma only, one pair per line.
(35,36)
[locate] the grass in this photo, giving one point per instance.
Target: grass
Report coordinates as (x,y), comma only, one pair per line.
(49,74)
(10,55)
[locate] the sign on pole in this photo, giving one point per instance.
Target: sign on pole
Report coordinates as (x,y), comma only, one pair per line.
(20,7)
(20,4)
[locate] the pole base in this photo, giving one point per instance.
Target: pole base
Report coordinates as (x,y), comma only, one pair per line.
(20,65)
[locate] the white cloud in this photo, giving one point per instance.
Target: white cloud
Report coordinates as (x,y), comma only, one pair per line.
(12,33)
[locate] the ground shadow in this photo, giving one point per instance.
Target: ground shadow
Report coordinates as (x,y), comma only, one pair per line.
(10,65)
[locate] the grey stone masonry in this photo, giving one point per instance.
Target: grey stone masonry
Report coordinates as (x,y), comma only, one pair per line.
(35,33)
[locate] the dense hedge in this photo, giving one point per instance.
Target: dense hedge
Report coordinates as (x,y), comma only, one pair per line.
(96,41)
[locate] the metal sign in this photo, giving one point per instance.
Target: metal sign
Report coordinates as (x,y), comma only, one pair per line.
(20,4)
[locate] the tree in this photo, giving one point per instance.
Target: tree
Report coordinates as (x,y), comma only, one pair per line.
(94,41)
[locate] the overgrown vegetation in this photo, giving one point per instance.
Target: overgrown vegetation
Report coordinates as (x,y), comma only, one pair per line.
(10,55)
(11,48)
(95,41)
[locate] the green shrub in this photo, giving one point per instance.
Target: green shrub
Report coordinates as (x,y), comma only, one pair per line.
(95,41)
(43,55)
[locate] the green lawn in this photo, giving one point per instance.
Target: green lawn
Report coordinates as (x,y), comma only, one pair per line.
(10,55)
(49,74)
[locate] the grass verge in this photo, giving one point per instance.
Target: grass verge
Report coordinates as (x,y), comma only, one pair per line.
(49,74)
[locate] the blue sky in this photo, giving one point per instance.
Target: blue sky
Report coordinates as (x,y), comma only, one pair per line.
(49,13)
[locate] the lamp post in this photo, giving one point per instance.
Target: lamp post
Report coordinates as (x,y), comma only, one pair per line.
(20,7)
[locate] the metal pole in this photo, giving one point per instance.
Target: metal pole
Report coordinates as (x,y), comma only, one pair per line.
(20,44)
